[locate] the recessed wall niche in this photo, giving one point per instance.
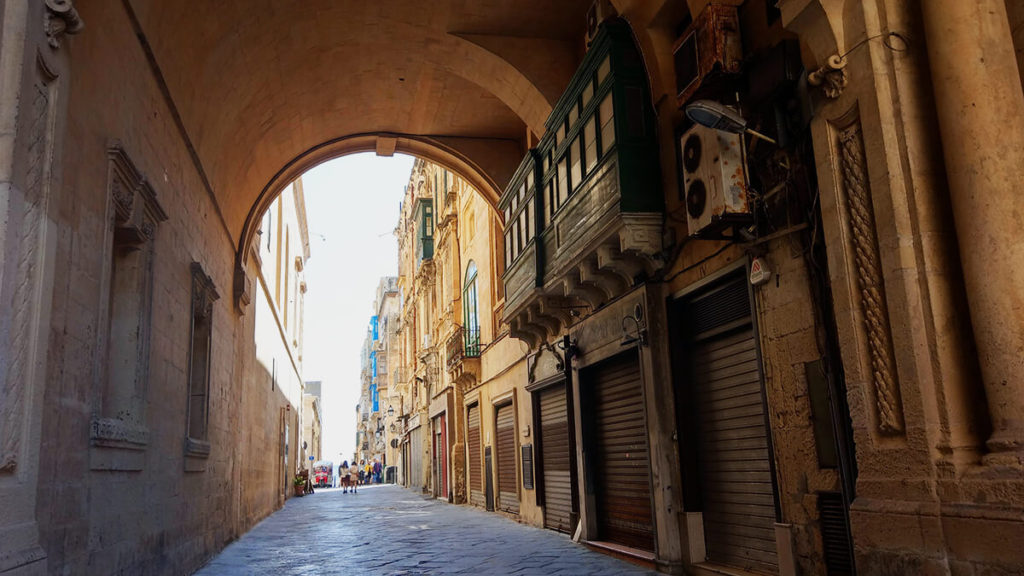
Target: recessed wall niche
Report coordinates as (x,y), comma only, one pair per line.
(119,433)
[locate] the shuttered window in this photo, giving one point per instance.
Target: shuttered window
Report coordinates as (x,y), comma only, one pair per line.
(508,496)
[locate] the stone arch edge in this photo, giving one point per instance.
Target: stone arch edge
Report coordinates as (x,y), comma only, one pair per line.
(420,146)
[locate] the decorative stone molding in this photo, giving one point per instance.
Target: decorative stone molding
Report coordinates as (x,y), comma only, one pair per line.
(197,448)
(242,288)
(61,18)
(116,432)
(136,209)
(831,77)
(204,293)
(863,244)
(535,359)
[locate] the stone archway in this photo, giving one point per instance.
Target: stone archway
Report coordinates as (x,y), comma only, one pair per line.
(483,163)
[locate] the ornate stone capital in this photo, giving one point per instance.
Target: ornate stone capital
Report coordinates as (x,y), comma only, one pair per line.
(61,18)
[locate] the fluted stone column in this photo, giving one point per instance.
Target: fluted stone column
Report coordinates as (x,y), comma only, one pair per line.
(981,118)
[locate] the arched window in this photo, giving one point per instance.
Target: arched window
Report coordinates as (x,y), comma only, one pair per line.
(471,319)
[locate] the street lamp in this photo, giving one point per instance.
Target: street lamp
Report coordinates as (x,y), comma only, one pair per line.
(718,116)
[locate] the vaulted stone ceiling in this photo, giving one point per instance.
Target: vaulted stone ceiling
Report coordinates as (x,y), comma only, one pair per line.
(257,83)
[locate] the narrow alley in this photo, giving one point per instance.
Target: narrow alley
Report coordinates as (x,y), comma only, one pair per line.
(390,530)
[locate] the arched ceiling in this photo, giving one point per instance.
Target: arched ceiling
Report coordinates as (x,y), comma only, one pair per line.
(259,83)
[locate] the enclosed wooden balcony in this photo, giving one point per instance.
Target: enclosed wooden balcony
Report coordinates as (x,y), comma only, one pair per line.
(584,211)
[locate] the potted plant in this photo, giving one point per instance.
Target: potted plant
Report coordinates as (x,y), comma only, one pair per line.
(300,485)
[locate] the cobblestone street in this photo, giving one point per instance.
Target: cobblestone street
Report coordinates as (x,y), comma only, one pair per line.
(390,530)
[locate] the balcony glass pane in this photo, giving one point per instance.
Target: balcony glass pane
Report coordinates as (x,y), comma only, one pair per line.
(576,152)
(588,93)
(607,116)
(563,181)
(574,114)
(590,142)
(549,203)
(530,225)
(604,69)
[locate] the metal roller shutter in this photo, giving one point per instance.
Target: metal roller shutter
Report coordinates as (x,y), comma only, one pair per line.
(622,460)
(476,479)
(508,497)
(554,442)
(416,456)
(733,458)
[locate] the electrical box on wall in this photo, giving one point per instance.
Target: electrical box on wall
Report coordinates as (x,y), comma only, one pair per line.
(714,180)
(710,44)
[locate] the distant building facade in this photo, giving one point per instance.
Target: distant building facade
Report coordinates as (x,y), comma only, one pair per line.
(312,422)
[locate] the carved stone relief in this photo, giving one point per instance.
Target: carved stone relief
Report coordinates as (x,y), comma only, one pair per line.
(60,18)
(133,216)
(17,380)
(863,245)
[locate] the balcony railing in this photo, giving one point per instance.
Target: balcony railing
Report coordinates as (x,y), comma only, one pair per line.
(463,343)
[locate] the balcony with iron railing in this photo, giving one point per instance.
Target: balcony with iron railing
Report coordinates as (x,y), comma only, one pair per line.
(463,353)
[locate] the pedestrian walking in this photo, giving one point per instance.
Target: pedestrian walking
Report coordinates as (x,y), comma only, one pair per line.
(353,474)
(343,474)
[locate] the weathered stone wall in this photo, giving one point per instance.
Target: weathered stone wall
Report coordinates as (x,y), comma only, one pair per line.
(160,518)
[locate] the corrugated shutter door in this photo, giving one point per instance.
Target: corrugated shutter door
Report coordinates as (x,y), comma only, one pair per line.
(416,456)
(732,452)
(554,438)
(508,498)
(476,479)
(622,474)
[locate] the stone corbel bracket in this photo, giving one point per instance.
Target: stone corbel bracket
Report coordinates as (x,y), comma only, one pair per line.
(831,77)
(61,18)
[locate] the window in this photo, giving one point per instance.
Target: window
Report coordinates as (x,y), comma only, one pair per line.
(204,294)
(604,69)
(530,220)
(563,181)
(133,215)
(590,144)
(575,152)
(606,114)
(471,319)
(549,205)
(425,238)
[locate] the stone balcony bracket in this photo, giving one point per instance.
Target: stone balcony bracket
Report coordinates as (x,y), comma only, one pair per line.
(625,256)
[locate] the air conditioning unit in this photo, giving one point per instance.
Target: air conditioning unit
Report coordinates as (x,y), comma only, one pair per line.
(600,11)
(710,44)
(714,179)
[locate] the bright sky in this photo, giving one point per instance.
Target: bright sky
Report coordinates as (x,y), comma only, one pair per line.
(352,208)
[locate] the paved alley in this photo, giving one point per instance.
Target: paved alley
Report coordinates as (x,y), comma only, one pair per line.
(390,530)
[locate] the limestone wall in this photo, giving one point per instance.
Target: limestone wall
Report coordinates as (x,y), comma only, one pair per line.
(152,516)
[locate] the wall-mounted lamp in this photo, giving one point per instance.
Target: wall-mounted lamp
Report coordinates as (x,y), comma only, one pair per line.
(718,116)
(640,335)
(391,411)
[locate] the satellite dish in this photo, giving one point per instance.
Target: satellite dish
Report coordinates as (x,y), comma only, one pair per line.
(718,116)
